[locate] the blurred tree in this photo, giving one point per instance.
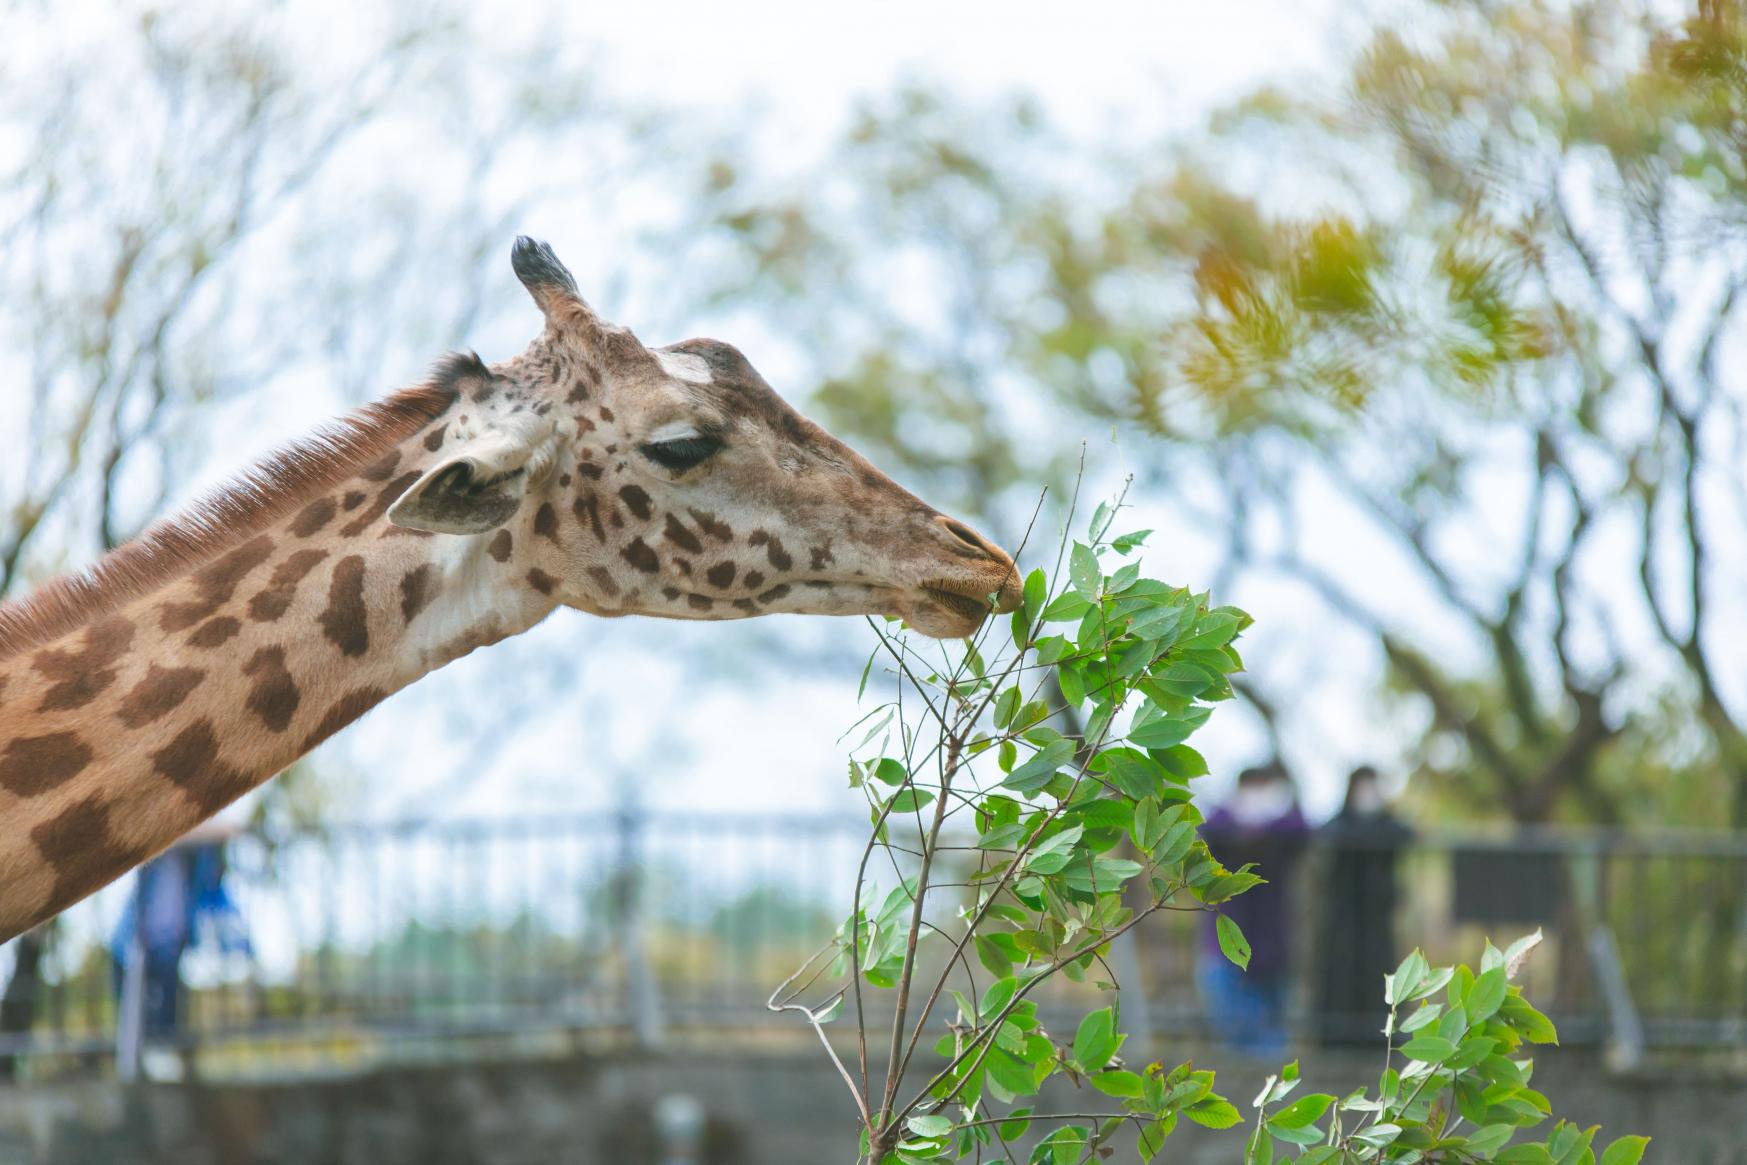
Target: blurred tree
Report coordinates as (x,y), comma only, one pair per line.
(1446,349)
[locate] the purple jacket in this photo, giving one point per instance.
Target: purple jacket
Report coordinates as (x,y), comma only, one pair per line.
(1264,913)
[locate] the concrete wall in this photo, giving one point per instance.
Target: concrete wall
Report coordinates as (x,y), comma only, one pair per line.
(765,1108)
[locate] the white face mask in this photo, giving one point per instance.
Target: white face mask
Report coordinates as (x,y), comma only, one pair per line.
(1367,799)
(1253,806)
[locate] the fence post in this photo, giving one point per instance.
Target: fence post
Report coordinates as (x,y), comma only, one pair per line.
(130,1023)
(644,994)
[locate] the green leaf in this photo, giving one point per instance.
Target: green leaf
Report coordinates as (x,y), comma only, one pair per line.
(1320,1156)
(1119,1083)
(1232,941)
(1535,1027)
(1426,1014)
(1431,1049)
(1305,1110)
(1152,1137)
(1083,570)
(1483,999)
(1625,1151)
(910,800)
(1401,985)
(892,772)
(1126,542)
(930,1126)
(1095,1042)
(1162,732)
(1490,1138)
(997,997)
(1215,1113)
(1029,778)
(1067,607)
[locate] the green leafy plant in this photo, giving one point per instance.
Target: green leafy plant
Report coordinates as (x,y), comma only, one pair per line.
(1453,1086)
(1031,802)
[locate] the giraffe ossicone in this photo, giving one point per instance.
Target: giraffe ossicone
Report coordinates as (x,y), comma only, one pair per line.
(589,471)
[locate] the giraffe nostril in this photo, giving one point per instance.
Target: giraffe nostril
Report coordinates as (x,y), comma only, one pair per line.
(966,537)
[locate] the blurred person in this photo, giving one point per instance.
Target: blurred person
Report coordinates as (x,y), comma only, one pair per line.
(179,899)
(1261,823)
(22,998)
(1356,947)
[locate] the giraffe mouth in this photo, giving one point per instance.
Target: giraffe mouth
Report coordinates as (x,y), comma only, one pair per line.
(972,607)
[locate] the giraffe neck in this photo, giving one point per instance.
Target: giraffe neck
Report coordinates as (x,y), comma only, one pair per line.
(124,732)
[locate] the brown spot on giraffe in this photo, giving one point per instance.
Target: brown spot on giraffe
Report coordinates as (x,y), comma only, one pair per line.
(382,468)
(820,557)
(81,676)
(344,710)
(774,593)
(499,546)
(270,603)
(773,549)
(346,621)
(541,581)
(589,469)
(603,578)
(753,580)
(215,632)
(274,696)
(161,691)
(721,576)
(190,762)
(712,526)
(33,765)
(418,587)
(640,556)
(587,509)
(314,516)
(638,501)
(546,522)
(84,853)
(699,602)
(433,440)
(747,605)
(379,506)
(214,585)
(606,415)
(676,533)
(670,593)
(353,499)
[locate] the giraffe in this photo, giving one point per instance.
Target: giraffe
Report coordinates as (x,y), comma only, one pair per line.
(589,471)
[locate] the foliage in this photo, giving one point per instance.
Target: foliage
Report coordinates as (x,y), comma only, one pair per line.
(1453,1088)
(1063,842)
(1466,314)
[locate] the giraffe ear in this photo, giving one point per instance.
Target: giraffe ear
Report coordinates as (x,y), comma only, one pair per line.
(477,488)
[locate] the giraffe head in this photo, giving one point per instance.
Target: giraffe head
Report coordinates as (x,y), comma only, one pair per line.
(623,479)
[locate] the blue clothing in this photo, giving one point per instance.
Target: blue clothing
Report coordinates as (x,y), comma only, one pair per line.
(1248,1012)
(178,898)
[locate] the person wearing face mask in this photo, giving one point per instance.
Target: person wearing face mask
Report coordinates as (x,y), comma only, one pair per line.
(1356,946)
(1261,823)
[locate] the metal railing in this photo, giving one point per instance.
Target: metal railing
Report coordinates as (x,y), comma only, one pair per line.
(371,938)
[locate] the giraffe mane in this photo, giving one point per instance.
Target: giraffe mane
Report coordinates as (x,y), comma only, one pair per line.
(274,487)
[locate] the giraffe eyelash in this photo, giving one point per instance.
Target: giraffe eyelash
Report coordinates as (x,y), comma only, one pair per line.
(681,453)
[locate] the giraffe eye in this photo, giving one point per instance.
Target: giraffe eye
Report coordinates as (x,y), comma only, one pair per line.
(682,453)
